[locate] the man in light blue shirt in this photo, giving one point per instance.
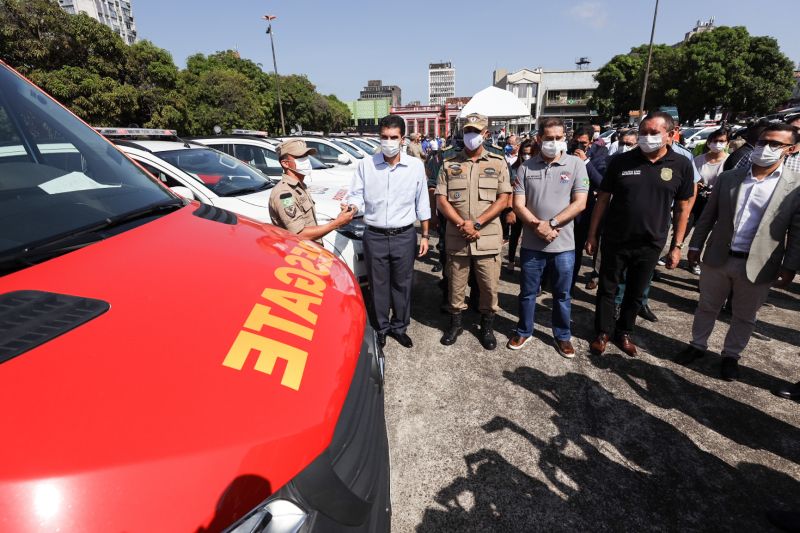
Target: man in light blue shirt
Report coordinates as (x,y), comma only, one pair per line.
(391,189)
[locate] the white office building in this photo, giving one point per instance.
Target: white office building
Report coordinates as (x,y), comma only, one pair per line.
(441,83)
(560,94)
(116,14)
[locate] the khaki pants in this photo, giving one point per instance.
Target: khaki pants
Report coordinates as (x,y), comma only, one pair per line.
(487,273)
(715,285)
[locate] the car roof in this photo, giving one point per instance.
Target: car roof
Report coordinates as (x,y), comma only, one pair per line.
(235,139)
(159,146)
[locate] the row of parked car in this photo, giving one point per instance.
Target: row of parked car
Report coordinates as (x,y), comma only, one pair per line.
(168,361)
(236,172)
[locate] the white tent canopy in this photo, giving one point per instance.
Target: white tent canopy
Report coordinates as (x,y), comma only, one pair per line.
(495,103)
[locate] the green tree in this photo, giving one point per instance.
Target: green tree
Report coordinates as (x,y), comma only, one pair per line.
(33,34)
(724,68)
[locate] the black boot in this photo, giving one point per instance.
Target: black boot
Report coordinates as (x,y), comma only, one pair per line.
(455,330)
(487,335)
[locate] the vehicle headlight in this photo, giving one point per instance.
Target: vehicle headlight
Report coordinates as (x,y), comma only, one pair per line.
(275,516)
(354,229)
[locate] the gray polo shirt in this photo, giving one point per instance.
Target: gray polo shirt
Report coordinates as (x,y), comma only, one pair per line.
(548,190)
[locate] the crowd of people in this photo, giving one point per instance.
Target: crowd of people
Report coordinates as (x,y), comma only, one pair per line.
(629,204)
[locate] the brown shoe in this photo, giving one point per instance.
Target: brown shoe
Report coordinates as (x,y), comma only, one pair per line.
(625,344)
(565,349)
(516,342)
(599,344)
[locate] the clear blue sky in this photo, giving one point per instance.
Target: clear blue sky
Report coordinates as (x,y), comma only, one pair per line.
(341,44)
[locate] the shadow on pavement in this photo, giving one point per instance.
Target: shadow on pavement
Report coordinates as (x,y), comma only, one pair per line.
(611,466)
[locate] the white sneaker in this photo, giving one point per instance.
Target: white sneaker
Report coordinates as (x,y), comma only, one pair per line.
(662,262)
(696,270)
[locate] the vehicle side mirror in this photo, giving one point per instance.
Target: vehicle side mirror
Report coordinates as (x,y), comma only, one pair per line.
(184,192)
(343,159)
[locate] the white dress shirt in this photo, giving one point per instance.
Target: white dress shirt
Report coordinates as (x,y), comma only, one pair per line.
(390,197)
(754,197)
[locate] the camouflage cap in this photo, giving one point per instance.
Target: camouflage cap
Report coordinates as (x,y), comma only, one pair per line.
(476,121)
(294,148)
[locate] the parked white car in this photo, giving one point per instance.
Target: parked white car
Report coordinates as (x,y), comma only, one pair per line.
(201,173)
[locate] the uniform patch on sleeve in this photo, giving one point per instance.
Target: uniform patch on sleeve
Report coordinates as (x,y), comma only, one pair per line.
(585,182)
(290,211)
(287,202)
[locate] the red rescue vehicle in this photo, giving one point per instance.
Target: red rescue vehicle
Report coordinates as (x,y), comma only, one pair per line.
(166,365)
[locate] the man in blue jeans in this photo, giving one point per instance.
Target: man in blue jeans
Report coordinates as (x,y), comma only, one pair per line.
(550,190)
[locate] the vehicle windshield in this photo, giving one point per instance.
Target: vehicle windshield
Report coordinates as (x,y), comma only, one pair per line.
(57,175)
(316,164)
(367,147)
(688,132)
(349,149)
(221,173)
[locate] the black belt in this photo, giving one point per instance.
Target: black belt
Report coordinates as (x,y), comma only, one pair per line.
(389,231)
(740,255)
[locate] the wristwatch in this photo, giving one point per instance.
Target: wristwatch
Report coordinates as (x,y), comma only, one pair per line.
(679,246)
(477,225)
(425,236)
(553,223)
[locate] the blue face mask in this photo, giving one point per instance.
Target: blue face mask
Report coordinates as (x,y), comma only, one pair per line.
(509,149)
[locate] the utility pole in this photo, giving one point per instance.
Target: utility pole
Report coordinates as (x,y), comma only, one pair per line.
(649,59)
(269,19)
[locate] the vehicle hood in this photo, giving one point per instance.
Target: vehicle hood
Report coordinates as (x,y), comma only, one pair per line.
(131,421)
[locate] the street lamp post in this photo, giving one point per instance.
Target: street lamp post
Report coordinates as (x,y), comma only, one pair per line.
(269,19)
(649,59)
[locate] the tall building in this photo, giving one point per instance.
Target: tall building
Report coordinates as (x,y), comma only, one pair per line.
(116,14)
(375,89)
(441,83)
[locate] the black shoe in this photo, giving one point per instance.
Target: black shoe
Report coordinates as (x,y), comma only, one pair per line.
(729,370)
(402,338)
(382,340)
(487,335)
(785,520)
(790,392)
(647,313)
(689,355)
(437,267)
(454,331)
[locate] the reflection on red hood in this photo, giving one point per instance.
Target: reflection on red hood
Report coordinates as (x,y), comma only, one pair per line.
(140,420)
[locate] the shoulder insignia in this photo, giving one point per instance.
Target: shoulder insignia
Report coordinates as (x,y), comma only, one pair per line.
(290,210)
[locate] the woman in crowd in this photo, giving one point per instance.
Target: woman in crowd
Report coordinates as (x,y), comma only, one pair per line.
(709,164)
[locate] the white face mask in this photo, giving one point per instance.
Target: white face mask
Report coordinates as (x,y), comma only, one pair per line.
(717,147)
(766,156)
(302,165)
(525,157)
(473,140)
(650,143)
(550,149)
(626,148)
(389,147)
(595,135)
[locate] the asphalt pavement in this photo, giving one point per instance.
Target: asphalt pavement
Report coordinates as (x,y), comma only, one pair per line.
(529,441)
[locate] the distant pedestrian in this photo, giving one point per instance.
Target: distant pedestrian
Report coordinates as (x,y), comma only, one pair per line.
(741,157)
(709,165)
(549,192)
(514,223)
(473,188)
(648,185)
(742,258)
(391,189)
(415,148)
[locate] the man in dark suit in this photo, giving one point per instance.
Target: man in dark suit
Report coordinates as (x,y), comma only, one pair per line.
(753,218)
